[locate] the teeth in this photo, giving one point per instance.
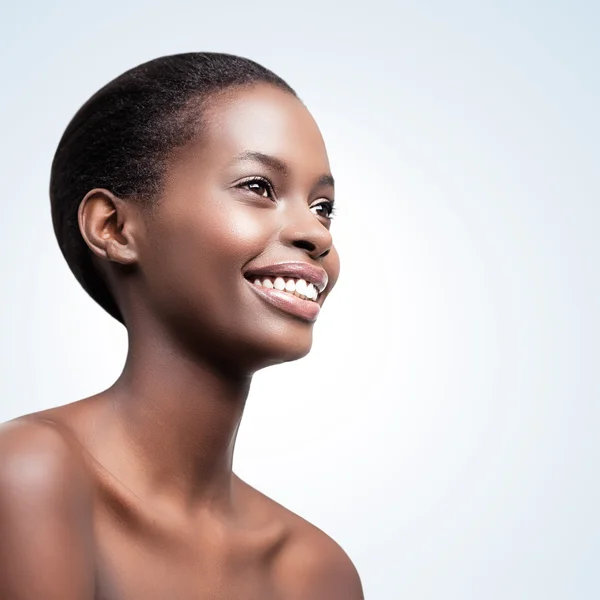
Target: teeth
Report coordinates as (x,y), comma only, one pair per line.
(301,287)
(297,287)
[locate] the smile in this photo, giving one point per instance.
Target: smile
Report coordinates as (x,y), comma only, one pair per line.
(294,288)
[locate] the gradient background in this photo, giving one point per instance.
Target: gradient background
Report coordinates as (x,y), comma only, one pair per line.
(444,430)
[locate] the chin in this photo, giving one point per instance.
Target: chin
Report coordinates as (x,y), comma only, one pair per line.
(280,348)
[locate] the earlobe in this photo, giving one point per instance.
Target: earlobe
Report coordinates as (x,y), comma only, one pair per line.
(107,225)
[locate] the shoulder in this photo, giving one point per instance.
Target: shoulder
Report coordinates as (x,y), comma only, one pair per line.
(311,564)
(41,474)
(35,454)
(45,511)
(318,567)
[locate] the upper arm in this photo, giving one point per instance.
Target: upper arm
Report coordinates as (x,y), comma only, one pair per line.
(320,569)
(46,546)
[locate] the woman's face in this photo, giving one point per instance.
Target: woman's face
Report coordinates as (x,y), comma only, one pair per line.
(248,202)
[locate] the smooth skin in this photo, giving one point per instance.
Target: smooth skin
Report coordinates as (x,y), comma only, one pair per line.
(130,494)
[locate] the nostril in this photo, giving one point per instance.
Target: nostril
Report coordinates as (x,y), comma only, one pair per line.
(305,245)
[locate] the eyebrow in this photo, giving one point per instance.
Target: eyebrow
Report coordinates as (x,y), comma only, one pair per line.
(278,165)
(325,180)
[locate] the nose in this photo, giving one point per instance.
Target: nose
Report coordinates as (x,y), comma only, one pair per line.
(303,229)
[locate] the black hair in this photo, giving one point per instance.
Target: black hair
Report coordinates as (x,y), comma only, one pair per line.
(121,137)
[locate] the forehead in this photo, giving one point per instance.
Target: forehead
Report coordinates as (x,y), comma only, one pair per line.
(263,118)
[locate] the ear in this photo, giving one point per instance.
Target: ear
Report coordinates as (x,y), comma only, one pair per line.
(108,226)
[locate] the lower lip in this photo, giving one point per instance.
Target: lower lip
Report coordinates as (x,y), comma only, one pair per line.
(307,310)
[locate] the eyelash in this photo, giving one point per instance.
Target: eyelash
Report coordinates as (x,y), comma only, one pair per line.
(330,208)
(261,180)
(271,194)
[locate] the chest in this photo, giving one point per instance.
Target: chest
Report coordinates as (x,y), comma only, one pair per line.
(206,564)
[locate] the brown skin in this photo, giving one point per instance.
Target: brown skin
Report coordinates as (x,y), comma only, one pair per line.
(130,494)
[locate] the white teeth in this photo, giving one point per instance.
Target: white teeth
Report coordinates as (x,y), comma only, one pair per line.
(301,287)
(298,287)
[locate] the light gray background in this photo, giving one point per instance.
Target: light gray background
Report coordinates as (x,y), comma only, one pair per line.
(444,430)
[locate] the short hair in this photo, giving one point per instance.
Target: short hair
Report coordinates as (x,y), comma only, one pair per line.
(121,137)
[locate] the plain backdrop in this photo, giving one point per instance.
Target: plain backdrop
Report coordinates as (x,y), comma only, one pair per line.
(444,429)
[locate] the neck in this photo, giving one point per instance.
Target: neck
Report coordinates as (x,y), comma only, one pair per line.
(178,418)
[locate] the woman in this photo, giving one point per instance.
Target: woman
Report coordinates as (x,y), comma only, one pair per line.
(192,199)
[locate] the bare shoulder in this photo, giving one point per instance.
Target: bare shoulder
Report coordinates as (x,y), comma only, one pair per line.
(36,455)
(315,566)
(311,565)
(45,514)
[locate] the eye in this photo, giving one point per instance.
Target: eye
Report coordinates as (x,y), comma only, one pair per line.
(259,186)
(324,208)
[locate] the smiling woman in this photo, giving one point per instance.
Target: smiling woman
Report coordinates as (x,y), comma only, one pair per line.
(192,198)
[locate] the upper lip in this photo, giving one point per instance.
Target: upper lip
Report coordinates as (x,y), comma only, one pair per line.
(298,270)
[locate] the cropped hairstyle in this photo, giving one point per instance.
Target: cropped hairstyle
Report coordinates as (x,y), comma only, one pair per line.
(120,140)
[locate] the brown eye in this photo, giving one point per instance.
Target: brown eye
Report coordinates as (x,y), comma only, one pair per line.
(323,209)
(259,186)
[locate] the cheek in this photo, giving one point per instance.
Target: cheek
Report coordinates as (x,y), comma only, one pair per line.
(199,251)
